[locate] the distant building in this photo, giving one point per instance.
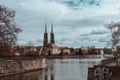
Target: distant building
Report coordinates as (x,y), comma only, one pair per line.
(85,50)
(107,51)
(27,50)
(72,50)
(65,50)
(78,51)
(52,49)
(90,50)
(49,48)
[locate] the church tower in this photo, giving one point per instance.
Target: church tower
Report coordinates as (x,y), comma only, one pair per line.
(52,35)
(45,36)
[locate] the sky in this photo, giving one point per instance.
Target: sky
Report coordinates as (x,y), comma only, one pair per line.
(76,22)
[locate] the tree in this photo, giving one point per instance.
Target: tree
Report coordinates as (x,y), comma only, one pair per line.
(30,43)
(115,36)
(30,46)
(80,51)
(8,28)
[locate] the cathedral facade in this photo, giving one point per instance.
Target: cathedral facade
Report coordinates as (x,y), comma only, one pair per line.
(50,48)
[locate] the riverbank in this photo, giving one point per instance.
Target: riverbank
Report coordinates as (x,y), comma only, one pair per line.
(16,66)
(22,64)
(109,69)
(68,56)
(59,69)
(72,56)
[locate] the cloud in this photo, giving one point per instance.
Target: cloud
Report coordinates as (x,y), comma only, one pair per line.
(99,32)
(74,3)
(96,32)
(103,39)
(73,19)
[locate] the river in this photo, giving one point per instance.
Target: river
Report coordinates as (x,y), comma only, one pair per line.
(59,69)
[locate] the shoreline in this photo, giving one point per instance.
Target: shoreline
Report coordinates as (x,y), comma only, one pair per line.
(19,65)
(12,67)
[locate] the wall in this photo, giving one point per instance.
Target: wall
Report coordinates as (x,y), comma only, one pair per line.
(108,61)
(104,73)
(8,67)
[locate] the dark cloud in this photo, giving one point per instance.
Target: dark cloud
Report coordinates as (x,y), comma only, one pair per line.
(96,32)
(99,32)
(74,3)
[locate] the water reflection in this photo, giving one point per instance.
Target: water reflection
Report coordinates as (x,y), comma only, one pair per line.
(59,69)
(46,77)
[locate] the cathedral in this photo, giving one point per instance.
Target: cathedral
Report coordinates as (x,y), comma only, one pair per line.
(50,48)
(52,40)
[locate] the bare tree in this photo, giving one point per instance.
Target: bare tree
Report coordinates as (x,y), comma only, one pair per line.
(115,36)
(30,43)
(8,27)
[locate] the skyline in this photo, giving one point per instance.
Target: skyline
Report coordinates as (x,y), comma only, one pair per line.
(76,22)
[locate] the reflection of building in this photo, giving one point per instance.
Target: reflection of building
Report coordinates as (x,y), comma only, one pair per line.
(52,77)
(50,72)
(49,48)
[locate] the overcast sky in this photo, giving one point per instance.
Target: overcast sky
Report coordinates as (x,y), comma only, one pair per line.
(76,22)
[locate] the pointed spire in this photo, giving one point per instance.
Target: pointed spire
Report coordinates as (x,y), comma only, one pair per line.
(45,28)
(52,28)
(45,36)
(52,35)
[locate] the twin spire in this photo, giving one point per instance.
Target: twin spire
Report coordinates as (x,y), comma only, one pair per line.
(46,28)
(51,28)
(52,41)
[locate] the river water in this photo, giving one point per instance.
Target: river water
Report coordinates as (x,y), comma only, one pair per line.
(59,69)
